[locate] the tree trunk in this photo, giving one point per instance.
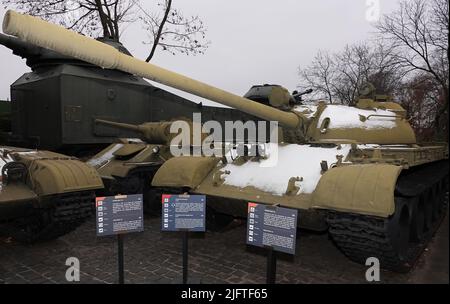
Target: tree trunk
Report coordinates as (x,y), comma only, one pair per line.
(103,20)
(442,119)
(160,29)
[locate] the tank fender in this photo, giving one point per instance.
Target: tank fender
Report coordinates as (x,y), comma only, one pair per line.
(184,171)
(364,189)
(54,176)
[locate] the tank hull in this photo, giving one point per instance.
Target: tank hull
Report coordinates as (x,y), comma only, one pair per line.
(384,202)
(55,108)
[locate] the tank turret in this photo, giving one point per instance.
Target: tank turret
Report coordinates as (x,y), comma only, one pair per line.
(157,133)
(37,57)
(19,47)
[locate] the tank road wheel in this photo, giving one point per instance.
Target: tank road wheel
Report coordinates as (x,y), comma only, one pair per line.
(400,228)
(216,221)
(444,203)
(418,219)
(361,237)
(429,206)
(396,241)
(443,198)
(63,215)
(139,182)
(435,215)
(152,201)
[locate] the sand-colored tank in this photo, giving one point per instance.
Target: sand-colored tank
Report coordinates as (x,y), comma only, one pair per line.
(356,171)
(44,195)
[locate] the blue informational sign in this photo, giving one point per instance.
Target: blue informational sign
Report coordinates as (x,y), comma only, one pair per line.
(119,214)
(271,226)
(183,212)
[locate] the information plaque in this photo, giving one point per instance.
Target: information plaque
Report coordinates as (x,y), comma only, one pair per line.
(119,214)
(183,212)
(271,226)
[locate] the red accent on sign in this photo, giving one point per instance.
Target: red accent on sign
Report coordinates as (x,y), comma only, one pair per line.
(97,199)
(251,205)
(164,196)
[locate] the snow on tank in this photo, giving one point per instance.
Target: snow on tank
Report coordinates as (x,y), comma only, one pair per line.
(272,175)
(103,158)
(346,117)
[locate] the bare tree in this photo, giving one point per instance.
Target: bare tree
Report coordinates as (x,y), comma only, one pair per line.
(320,75)
(339,77)
(173,32)
(354,66)
(410,61)
(418,32)
(90,17)
(418,96)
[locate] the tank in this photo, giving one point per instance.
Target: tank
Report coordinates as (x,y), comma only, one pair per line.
(5,120)
(44,195)
(354,171)
(55,105)
(128,165)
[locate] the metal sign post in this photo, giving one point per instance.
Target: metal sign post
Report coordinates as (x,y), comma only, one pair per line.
(120,257)
(118,215)
(183,213)
(271,266)
(185,237)
(273,228)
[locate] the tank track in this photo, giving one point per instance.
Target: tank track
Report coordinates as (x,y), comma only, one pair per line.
(395,242)
(64,214)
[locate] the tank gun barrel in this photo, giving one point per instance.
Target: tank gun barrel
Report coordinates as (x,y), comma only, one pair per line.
(18,46)
(39,32)
(151,132)
(119,125)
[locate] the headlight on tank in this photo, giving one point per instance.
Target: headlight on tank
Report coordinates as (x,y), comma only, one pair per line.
(156,150)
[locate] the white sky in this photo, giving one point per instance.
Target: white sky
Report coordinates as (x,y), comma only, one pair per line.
(252,41)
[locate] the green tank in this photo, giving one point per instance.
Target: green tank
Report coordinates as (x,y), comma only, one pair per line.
(44,195)
(54,106)
(354,171)
(5,120)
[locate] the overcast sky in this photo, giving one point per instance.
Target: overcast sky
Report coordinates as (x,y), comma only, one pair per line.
(252,41)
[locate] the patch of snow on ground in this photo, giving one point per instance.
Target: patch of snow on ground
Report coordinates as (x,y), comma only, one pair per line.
(293,160)
(344,117)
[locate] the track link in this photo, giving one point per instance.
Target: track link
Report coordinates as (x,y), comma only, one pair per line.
(64,214)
